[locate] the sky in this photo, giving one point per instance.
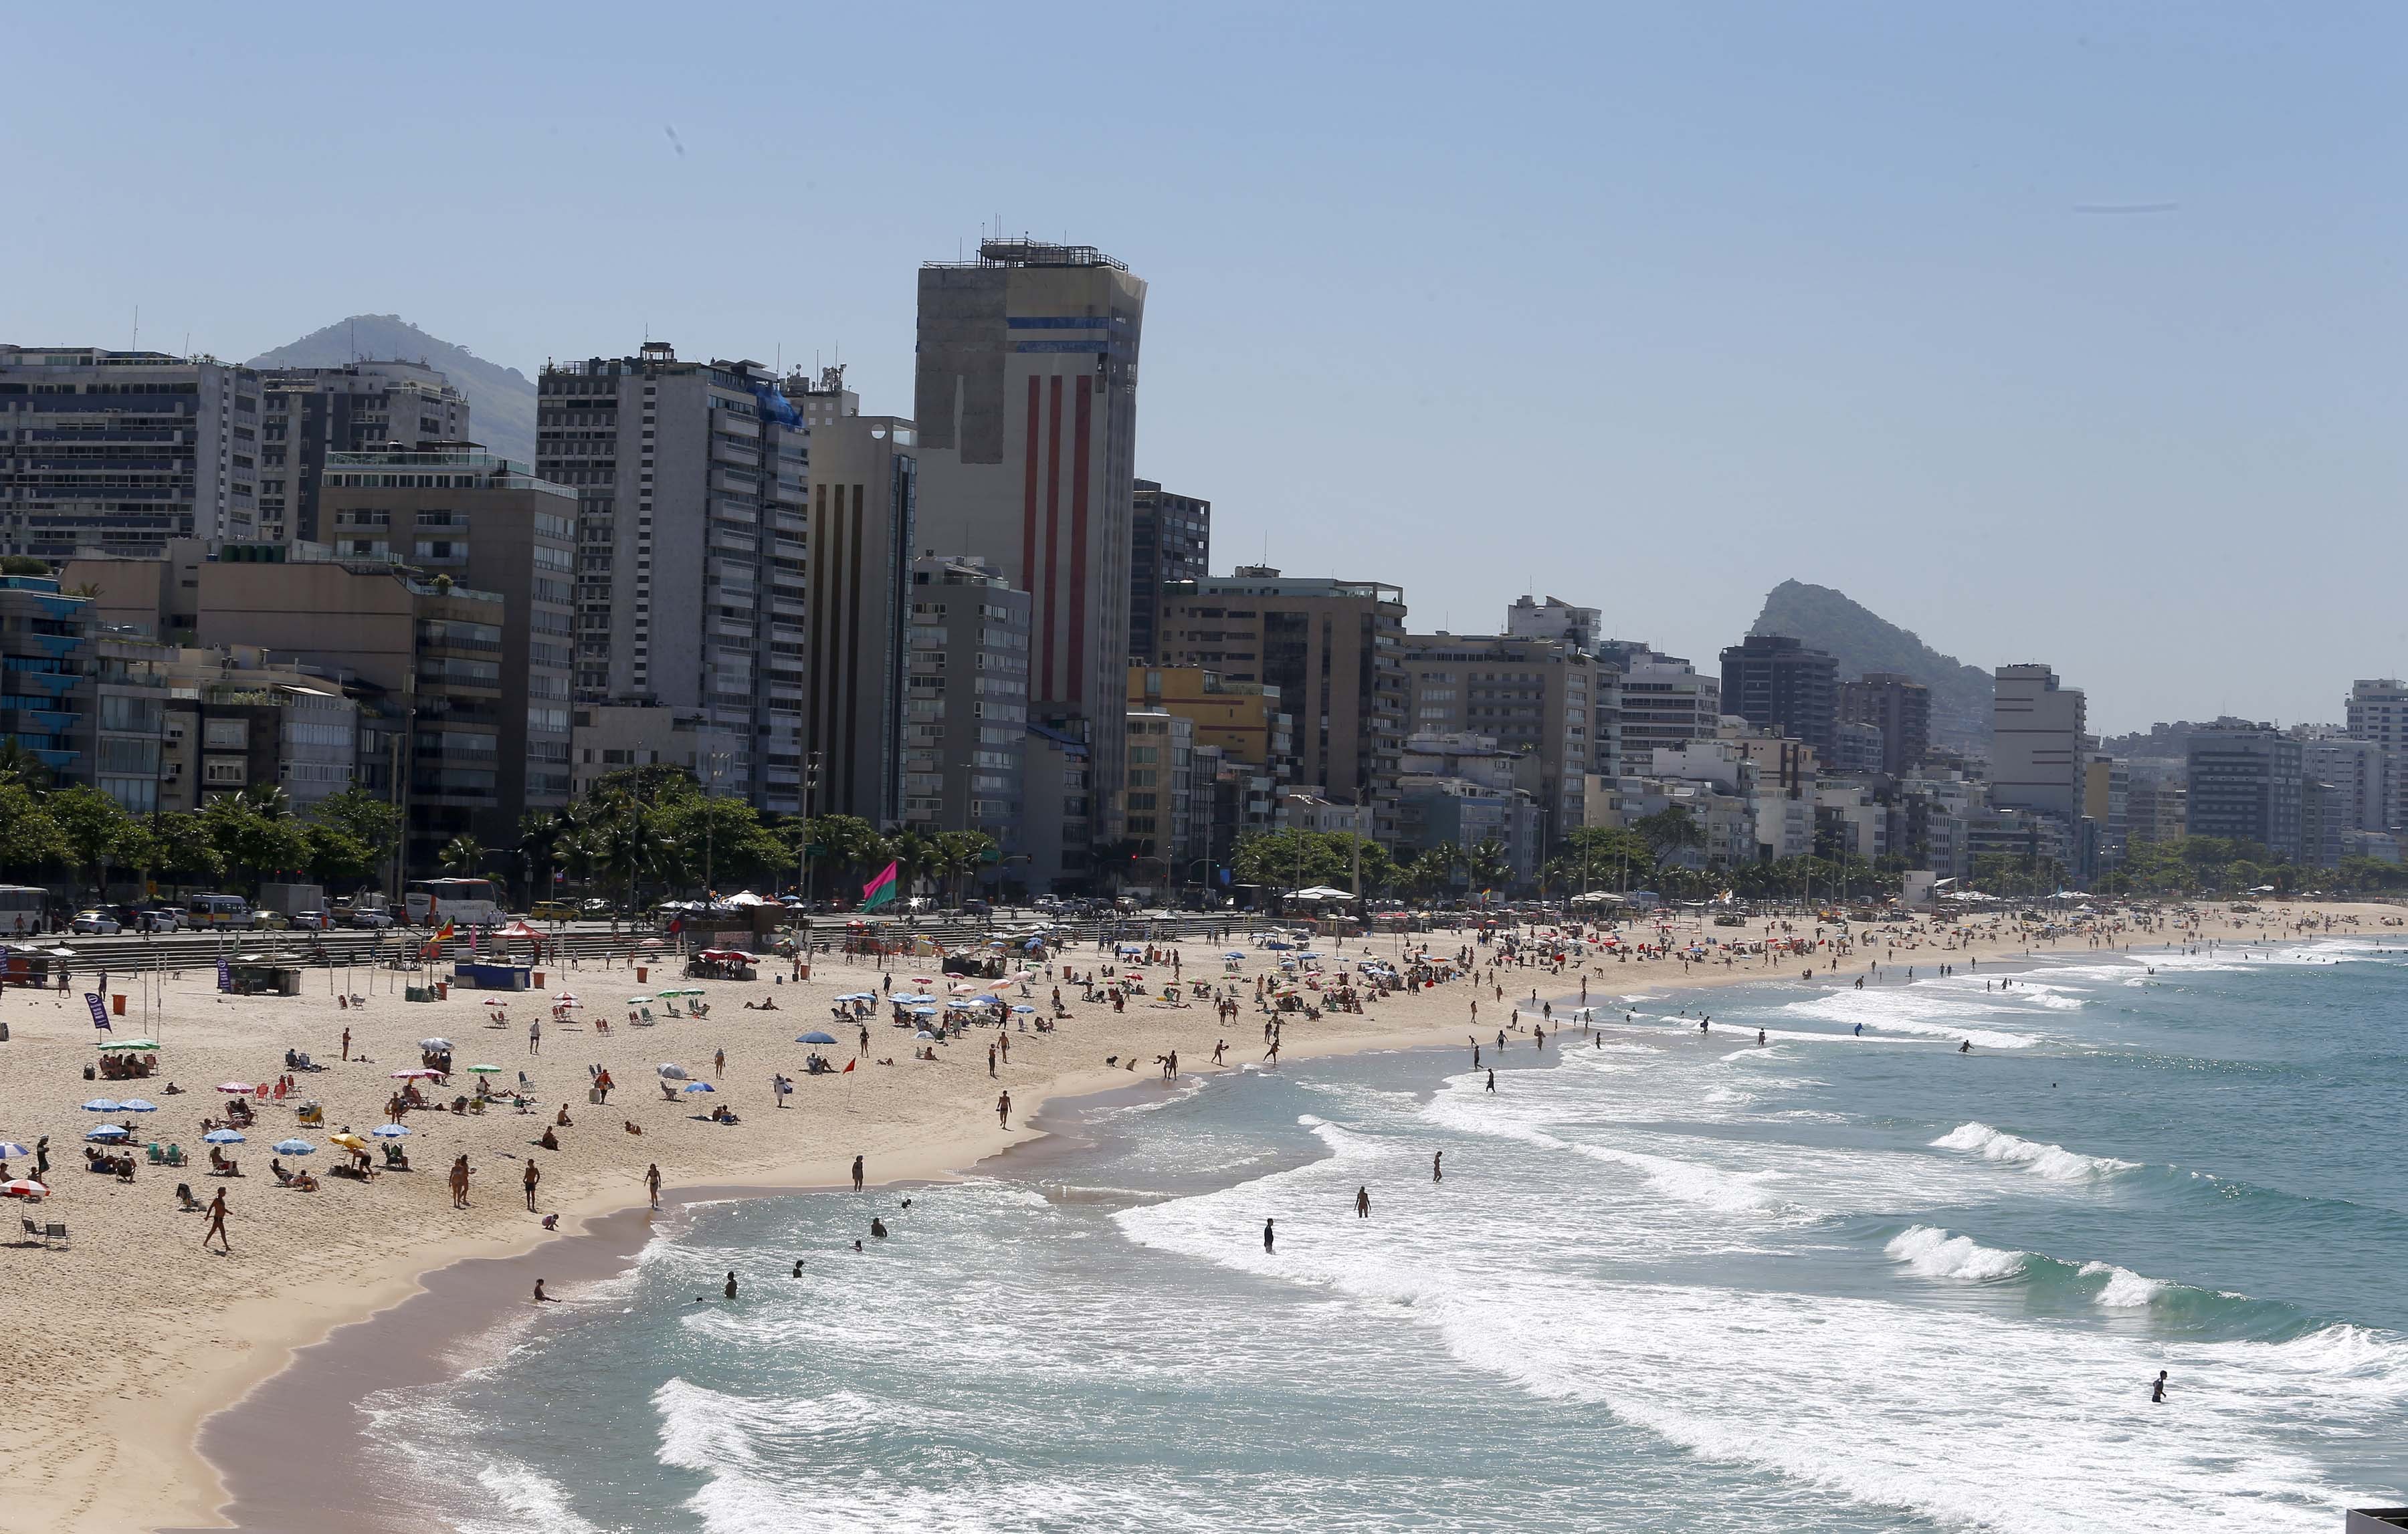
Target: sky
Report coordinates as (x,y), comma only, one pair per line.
(2053,332)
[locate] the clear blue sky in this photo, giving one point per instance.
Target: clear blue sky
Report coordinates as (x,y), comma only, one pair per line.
(1648,307)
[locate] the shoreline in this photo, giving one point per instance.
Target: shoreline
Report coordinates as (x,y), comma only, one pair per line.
(170,1449)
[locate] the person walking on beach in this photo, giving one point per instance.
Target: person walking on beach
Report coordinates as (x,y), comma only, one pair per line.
(1492,1085)
(217,1223)
(460,1181)
(347,1044)
(535,1036)
(1219,1049)
(1362,1203)
(856,1174)
(651,1182)
(1438,1172)
(990,1062)
(532,1176)
(718,1062)
(1003,1109)
(1267,1235)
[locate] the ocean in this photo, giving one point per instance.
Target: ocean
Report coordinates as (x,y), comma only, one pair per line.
(1842,1280)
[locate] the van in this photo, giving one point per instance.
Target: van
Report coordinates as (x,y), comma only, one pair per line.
(553,911)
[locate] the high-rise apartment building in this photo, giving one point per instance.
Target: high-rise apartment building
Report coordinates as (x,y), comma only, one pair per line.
(2037,730)
(363,407)
(2246,784)
(118,451)
(1552,618)
(864,489)
(489,524)
(1334,648)
(1663,703)
(2154,811)
(1025,403)
(1546,697)
(966,730)
(46,656)
(2359,772)
(1170,538)
(1900,707)
(1776,682)
(2106,803)
(2378,711)
(692,484)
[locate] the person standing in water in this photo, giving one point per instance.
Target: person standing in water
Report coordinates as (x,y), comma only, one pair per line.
(1492,1079)
(2158,1389)
(1362,1203)
(1267,1235)
(856,1174)
(1438,1173)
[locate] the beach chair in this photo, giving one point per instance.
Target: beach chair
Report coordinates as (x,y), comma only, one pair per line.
(648,1016)
(175,1155)
(155,1155)
(54,1230)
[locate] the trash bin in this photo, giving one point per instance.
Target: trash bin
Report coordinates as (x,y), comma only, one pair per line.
(641,971)
(538,978)
(442,990)
(116,1003)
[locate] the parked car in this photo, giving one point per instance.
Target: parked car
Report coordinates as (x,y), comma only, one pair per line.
(270,920)
(98,923)
(314,920)
(159,919)
(372,920)
(554,910)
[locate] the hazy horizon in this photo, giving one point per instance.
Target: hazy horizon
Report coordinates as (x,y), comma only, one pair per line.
(2050,335)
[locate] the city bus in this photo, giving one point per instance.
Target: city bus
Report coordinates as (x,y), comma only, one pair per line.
(472,902)
(22,909)
(206,910)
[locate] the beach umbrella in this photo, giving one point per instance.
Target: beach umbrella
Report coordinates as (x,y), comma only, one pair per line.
(923,1034)
(435,1043)
(294,1147)
(486,1071)
(1020,1009)
(135,1105)
(11,1151)
(59,952)
(416,1075)
(388,1131)
(101,1105)
(700,1086)
(224,1137)
(23,1188)
(672,1071)
(567,999)
(637,1001)
(107,1131)
(815,1038)
(243,1089)
(652,942)
(131,1044)
(349,1142)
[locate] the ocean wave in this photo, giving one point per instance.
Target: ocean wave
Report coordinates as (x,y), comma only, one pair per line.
(2053,1162)
(2124,1288)
(1934,1253)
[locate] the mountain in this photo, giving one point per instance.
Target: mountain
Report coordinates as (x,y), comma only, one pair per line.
(501,400)
(1864,641)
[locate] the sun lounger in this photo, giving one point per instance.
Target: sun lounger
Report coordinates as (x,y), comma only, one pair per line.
(48,1234)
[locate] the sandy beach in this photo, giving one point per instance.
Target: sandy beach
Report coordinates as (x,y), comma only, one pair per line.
(132,1335)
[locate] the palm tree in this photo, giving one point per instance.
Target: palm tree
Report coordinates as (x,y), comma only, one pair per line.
(1488,864)
(22,767)
(460,856)
(270,802)
(539,835)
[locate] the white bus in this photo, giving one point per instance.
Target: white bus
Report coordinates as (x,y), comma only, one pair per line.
(202,910)
(471,902)
(22,909)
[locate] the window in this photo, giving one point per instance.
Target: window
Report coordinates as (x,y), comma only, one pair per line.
(227,735)
(220,770)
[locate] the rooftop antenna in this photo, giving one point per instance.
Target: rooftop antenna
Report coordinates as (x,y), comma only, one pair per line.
(138,327)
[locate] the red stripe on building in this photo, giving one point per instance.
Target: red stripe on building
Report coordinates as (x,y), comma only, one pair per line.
(1079,544)
(1028,495)
(1046,608)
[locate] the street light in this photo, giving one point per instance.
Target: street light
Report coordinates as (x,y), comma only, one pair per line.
(803,844)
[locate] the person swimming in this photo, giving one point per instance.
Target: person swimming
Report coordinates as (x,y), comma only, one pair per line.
(877,1228)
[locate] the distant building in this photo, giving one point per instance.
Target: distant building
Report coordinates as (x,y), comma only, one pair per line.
(2155,812)
(1170,538)
(1547,697)
(966,734)
(2359,772)
(1900,707)
(1552,618)
(1461,790)
(2378,711)
(1156,801)
(864,496)
(45,646)
(610,737)
(1776,682)
(2106,802)
(363,407)
(1058,786)
(1026,402)
(1332,648)
(118,453)
(2038,726)
(1661,701)
(2246,784)
(1858,749)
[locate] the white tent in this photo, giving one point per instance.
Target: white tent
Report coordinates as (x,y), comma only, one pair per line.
(1320,892)
(744,897)
(1595,897)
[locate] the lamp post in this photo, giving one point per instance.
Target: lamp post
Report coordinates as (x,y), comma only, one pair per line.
(811,761)
(714,763)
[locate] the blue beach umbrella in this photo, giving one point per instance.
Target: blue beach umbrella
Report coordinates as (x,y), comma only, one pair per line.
(101,1105)
(135,1105)
(224,1137)
(700,1086)
(11,1151)
(388,1131)
(1021,1008)
(815,1038)
(294,1147)
(107,1131)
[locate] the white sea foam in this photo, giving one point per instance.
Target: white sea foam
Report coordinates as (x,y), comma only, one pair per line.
(2124,1288)
(1935,1254)
(2054,1162)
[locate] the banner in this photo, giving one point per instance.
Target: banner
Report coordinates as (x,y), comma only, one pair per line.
(878,890)
(99,1012)
(226,980)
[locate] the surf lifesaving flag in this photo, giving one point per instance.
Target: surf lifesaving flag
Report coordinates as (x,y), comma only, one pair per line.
(878,890)
(444,936)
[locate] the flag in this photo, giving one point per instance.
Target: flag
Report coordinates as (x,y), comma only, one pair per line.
(444,936)
(850,1063)
(878,890)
